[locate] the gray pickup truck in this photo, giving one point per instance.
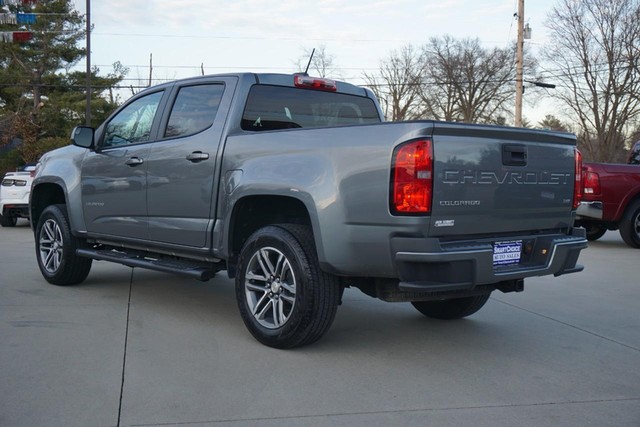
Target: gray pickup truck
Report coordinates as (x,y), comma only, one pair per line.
(296,188)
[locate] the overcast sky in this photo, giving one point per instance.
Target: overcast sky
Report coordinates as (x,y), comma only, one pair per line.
(270,36)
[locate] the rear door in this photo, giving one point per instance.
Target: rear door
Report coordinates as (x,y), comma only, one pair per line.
(181,171)
(501,180)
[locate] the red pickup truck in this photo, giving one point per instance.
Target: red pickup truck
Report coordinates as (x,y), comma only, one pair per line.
(611,199)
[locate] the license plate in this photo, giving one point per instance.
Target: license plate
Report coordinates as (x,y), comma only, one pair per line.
(506,253)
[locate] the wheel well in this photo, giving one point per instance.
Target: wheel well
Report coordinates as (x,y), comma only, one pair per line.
(44,195)
(254,212)
(634,199)
(624,207)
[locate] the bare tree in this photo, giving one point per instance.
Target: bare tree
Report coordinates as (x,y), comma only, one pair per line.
(462,81)
(593,49)
(322,64)
(397,84)
(438,93)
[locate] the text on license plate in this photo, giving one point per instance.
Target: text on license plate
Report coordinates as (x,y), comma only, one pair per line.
(505,253)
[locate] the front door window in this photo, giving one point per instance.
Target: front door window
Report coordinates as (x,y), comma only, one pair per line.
(133,123)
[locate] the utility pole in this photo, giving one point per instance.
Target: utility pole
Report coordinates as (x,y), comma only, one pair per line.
(519,64)
(150,68)
(88,89)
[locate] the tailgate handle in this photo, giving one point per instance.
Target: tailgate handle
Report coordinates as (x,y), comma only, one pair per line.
(514,155)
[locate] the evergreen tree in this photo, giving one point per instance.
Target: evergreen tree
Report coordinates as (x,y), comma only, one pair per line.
(41,99)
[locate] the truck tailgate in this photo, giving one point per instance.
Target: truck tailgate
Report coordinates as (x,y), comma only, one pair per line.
(490,180)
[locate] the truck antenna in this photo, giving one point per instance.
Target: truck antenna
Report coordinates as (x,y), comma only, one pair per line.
(309,63)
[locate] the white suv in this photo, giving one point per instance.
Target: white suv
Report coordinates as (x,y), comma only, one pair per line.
(14,196)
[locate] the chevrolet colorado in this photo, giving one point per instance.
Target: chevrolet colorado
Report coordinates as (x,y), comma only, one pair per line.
(295,187)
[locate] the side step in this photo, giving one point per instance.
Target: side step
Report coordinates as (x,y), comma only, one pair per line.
(195,270)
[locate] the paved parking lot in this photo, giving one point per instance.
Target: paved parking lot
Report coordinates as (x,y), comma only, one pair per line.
(138,348)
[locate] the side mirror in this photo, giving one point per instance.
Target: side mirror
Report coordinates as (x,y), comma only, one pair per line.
(82,136)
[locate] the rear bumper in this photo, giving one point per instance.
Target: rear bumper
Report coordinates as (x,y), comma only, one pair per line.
(20,210)
(463,265)
(590,210)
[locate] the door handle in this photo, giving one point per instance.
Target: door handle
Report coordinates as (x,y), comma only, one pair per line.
(197,156)
(134,161)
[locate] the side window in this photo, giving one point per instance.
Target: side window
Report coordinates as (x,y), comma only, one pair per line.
(634,156)
(133,123)
(194,110)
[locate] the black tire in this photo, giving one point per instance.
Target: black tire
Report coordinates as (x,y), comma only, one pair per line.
(8,220)
(630,225)
(285,300)
(56,249)
(455,308)
(594,231)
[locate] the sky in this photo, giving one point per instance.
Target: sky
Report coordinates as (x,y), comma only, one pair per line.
(271,36)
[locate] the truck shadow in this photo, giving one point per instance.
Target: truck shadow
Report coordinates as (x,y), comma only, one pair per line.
(363,326)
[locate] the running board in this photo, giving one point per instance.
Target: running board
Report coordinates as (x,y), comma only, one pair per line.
(175,266)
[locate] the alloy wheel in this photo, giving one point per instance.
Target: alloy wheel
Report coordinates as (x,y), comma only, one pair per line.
(270,287)
(51,244)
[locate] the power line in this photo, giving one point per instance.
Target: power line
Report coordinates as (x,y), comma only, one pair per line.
(198,66)
(296,38)
(223,37)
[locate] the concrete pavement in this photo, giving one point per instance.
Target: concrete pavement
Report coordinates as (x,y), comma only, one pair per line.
(139,348)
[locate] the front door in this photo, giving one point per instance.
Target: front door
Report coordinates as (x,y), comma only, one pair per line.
(114,175)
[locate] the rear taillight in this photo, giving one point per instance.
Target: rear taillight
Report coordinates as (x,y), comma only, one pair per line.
(590,183)
(412,177)
(577,188)
(315,83)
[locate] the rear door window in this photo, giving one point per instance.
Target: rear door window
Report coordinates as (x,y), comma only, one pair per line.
(194,110)
(278,107)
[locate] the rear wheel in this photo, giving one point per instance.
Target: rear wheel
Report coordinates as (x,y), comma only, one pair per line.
(285,300)
(455,308)
(594,231)
(8,220)
(56,249)
(630,225)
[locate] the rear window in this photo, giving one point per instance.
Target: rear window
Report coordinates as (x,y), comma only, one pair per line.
(279,107)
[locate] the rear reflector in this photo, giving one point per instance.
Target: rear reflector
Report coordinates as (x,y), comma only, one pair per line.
(412,178)
(315,83)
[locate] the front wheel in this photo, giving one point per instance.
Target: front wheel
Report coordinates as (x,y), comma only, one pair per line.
(455,308)
(630,225)
(56,249)
(285,300)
